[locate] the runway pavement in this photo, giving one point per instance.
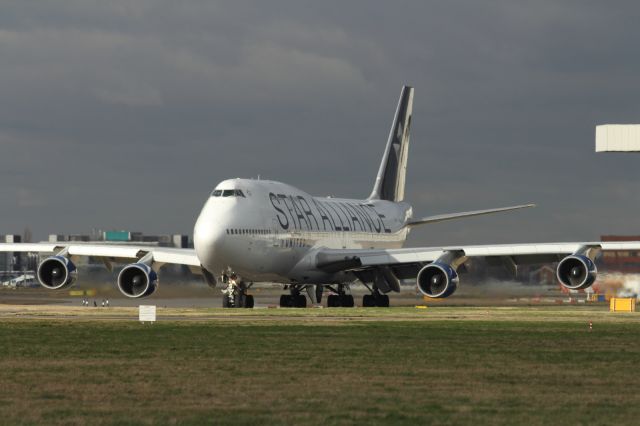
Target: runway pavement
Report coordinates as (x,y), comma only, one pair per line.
(199,302)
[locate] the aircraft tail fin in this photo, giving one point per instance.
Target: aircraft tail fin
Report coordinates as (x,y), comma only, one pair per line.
(390,180)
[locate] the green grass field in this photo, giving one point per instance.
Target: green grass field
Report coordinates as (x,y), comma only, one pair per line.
(434,366)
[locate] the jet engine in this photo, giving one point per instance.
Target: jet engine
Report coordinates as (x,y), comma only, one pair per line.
(137,280)
(57,272)
(437,280)
(576,272)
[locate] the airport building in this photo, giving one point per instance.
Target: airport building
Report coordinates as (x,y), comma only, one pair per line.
(10,261)
(621,261)
(625,261)
(13,264)
(126,237)
(122,237)
(618,138)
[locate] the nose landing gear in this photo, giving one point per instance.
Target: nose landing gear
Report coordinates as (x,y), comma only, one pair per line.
(234,295)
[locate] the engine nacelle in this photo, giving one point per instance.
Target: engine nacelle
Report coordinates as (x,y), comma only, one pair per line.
(437,280)
(57,272)
(137,280)
(576,272)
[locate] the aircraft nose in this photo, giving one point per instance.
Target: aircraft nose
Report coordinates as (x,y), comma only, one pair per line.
(207,239)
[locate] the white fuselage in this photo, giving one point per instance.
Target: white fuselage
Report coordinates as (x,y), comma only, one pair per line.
(270,231)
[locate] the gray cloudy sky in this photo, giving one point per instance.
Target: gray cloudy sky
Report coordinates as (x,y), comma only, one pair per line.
(125,114)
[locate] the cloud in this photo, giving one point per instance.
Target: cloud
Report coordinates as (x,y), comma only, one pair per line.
(105,98)
(26,198)
(138,96)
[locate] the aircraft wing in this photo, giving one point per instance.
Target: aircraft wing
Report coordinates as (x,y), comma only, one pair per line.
(137,279)
(385,268)
(110,252)
(525,253)
(451,216)
(364,258)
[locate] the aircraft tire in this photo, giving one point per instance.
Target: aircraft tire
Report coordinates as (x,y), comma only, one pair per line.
(347,301)
(300,301)
(383,301)
(286,301)
(225,301)
(368,301)
(333,301)
(240,300)
(249,301)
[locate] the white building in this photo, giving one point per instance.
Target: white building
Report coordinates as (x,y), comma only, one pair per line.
(618,138)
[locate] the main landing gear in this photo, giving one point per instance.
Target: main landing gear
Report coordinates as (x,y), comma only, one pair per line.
(294,299)
(340,298)
(375,299)
(298,300)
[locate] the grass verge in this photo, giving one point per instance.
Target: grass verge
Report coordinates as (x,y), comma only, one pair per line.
(453,370)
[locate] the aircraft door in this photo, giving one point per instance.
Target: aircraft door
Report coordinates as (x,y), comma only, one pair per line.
(275,233)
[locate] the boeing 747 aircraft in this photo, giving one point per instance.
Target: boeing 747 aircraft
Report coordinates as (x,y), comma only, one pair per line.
(266,231)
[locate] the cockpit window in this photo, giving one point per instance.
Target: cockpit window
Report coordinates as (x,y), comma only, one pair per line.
(228,193)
